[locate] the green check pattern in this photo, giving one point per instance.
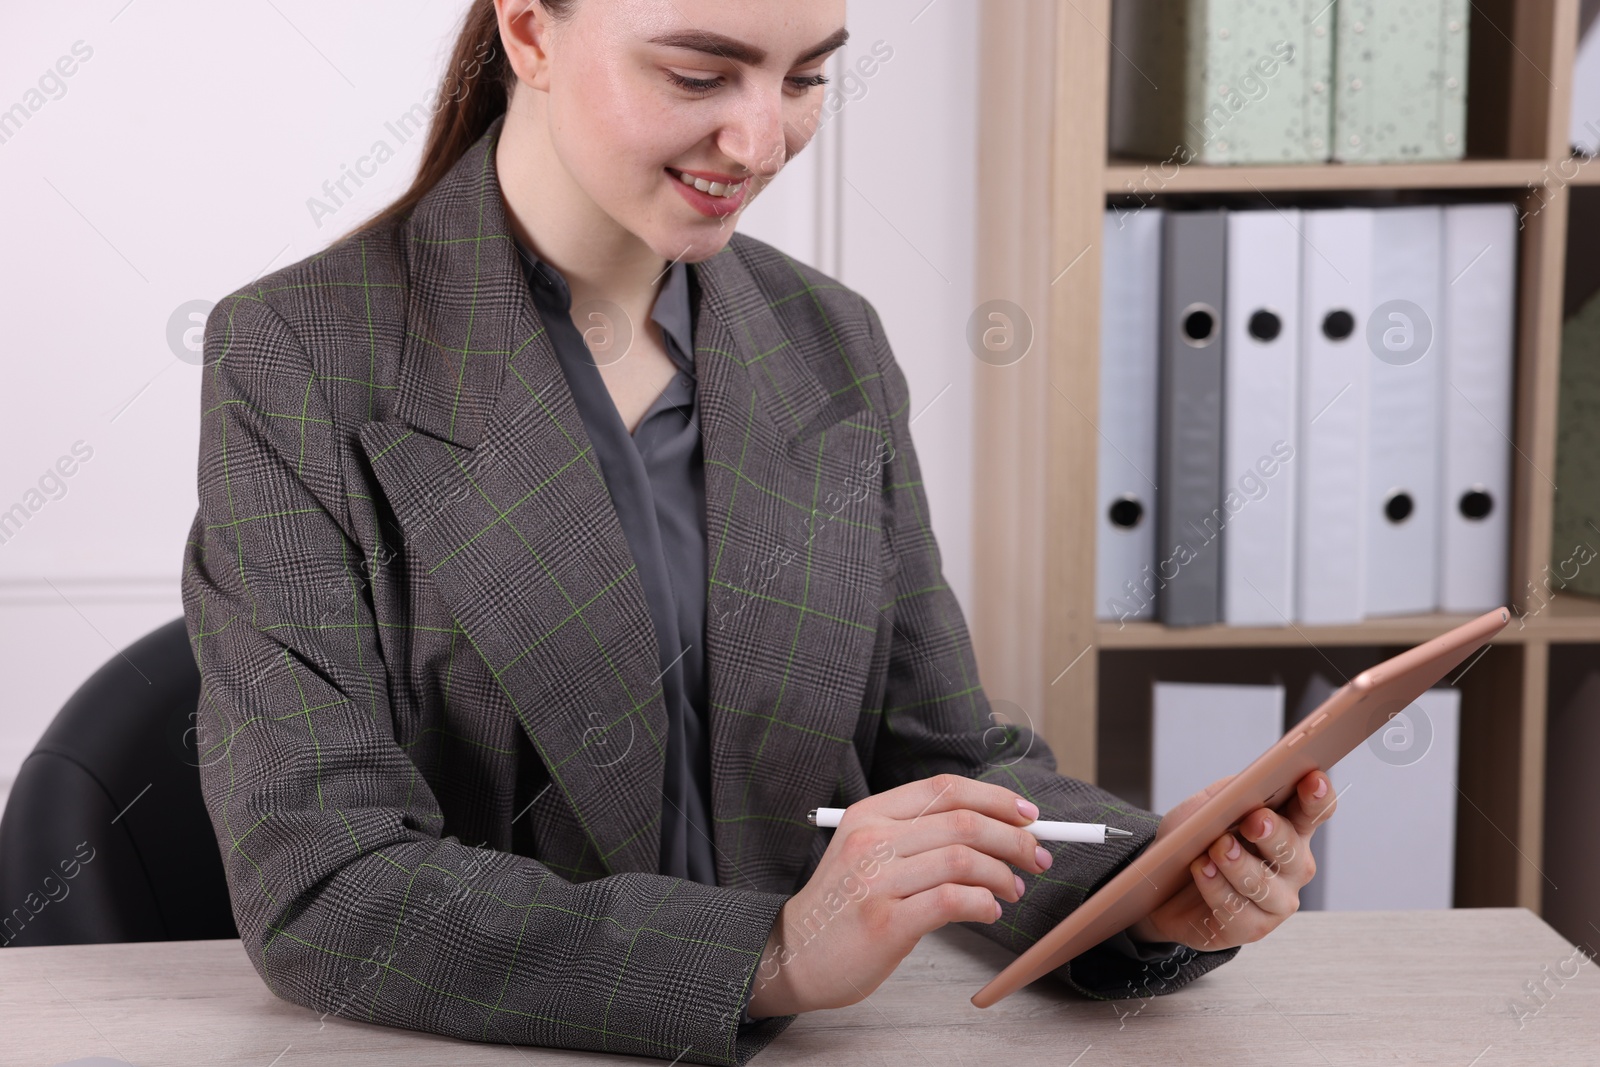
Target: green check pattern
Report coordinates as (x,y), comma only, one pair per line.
(433,728)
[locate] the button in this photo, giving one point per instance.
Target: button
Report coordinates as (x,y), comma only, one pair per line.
(1316,720)
(1296,737)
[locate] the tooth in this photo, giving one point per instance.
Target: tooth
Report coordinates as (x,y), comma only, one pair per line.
(710,188)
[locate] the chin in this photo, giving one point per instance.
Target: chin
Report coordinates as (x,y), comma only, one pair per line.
(695,243)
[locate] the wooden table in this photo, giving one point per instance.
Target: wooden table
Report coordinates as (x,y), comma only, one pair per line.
(1450,988)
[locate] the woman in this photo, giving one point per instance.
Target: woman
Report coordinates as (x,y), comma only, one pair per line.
(525,651)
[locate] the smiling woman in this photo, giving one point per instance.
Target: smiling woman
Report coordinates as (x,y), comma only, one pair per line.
(650,576)
(593,71)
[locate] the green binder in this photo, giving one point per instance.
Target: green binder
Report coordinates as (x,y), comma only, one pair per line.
(1222,81)
(1575,541)
(1400,77)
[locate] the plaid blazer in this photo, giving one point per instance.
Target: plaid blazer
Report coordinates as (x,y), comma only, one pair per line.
(433,731)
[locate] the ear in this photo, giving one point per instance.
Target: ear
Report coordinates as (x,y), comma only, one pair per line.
(525,30)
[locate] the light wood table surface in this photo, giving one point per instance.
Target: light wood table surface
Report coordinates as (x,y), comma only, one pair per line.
(1447,988)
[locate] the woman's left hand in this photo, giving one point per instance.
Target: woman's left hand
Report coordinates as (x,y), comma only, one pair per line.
(1240,890)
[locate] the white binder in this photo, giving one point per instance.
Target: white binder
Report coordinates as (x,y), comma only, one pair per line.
(1391,842)
(1259,438)
(1330,461)
(1402,490)
(1584,122)
(1130,319)
(1480,261)
(1201,732)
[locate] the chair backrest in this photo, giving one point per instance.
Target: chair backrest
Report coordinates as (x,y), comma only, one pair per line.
(105,835)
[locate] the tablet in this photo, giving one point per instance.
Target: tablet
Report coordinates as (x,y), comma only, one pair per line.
(1351,714)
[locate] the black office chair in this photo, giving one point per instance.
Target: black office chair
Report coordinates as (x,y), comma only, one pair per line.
(105,836)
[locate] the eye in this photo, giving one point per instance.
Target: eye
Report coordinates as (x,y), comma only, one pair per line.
(801,83)
(694,85)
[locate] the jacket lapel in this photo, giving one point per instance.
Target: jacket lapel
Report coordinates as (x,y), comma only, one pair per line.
(794,568)
(499,498)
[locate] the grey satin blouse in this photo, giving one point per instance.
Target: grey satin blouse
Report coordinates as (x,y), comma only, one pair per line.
(656,480)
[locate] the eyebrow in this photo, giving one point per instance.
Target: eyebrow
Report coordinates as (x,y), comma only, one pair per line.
(717,44)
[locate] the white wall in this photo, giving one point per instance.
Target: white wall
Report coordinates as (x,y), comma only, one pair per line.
(175,164)
(910,234)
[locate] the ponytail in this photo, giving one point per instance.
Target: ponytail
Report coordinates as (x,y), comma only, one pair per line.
(475,91)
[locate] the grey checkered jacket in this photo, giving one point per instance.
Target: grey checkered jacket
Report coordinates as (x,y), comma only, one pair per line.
(433,730)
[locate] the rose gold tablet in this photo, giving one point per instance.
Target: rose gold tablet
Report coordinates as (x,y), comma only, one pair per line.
(1348,717)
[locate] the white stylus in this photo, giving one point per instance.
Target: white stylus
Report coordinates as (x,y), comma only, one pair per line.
(1093,833)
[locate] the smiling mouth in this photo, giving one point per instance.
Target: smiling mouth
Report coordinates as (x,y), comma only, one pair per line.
(710,188)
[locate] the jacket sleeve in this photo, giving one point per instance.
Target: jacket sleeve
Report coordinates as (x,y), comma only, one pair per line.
(936,719)
(350,896)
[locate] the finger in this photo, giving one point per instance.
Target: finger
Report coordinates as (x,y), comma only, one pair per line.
(960,864)
(963,826)
(945,792)
(946,903)
(1250,878)
(1311,808)
(1284,853)
(1217,925)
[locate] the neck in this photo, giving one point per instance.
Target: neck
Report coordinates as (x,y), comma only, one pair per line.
(552,215)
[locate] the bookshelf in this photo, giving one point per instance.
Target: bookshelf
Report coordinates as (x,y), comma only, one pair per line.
(1044,183)
(1132,177)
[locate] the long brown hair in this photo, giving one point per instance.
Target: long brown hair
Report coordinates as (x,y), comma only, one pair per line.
(474,92)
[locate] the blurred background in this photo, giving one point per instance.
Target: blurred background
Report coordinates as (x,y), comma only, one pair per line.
(1315,286)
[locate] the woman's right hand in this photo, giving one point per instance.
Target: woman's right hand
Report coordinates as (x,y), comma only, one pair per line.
(901,863)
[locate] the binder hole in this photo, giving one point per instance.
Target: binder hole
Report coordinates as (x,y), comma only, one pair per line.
(1125,512)
(1398,506)
(1337,325)
(1265,325)
(1199,325)
(1476,503)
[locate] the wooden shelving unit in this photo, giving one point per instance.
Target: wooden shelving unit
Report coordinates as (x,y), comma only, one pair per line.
(1045,181)
(1145,178)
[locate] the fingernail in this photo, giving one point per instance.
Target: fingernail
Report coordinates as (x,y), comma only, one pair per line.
(1209,870)
(1266,825)
(1233,848)
(1321,789)
(997,909)
(1020,886)
(1029,811)
(1044,858)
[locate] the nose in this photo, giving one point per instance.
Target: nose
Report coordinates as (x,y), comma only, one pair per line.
(755,134)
